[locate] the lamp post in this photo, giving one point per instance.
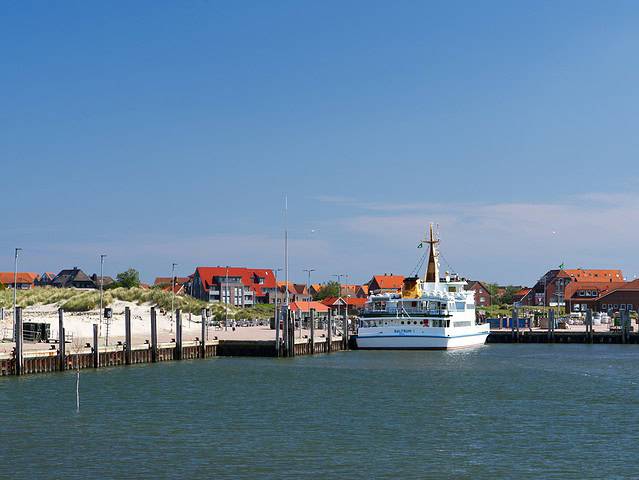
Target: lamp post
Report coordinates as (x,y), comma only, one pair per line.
(102,256)
(173,265)
(308,291)
(15,290)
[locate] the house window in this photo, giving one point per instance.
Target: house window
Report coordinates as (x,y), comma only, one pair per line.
(482,299)
(622,307)
(615,307)
(629,307)
(604,306)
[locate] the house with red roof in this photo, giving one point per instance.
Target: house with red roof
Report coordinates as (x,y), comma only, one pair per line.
(23,281)
(387,283)
(297,292)
(586,285)
(338,304)
(239,286)
(362,291)
(621,298)
(482,295)
(45,280)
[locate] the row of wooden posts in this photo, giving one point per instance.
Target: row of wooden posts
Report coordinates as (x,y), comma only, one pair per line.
(285,345)
(95,347)
(625,326)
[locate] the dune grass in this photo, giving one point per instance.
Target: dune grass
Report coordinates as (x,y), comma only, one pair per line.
(73,300)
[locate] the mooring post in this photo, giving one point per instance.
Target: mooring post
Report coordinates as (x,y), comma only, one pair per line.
(285,331)
(516,323)
(154,336)
(291,333)
(178,335)
(312,331)
(345,338)
(551,325)
(96,353)
(329,337)
(61,345)
(127,336)
(203,341)
(589,326)
(625,319)
(19,340)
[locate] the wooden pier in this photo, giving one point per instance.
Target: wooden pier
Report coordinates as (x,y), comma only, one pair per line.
(60,358)
(526,336)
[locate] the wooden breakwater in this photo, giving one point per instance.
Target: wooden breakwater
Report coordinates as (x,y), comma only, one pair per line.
(93,355)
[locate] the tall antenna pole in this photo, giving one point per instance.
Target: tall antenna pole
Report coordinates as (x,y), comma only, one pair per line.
(286,301)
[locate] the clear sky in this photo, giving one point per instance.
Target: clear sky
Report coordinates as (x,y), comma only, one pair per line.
(160,132)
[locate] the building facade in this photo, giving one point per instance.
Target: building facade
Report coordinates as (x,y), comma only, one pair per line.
(239,286)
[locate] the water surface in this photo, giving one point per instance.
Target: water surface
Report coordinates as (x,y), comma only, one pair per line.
(500,411)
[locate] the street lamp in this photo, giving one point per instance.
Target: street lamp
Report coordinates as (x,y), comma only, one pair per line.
(173,265)
(15,289)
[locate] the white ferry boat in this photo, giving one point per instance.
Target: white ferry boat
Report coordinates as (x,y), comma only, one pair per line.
(430,313)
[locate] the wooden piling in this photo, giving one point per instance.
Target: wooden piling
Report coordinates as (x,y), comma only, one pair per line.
(589,326)
(551,325)
(19,352)
(96,353)
(515,325)
(203,339)
(329,334)
(312,331)
(291,333)
(61,339)
(127,336)
(345,333)
(285,320)
(178,335)
(154,336)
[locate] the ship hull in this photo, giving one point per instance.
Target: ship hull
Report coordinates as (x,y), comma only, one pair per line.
(443,340)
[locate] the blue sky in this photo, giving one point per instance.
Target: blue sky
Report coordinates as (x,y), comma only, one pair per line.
(160,132)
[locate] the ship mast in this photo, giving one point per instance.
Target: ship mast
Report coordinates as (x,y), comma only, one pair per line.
(432,271)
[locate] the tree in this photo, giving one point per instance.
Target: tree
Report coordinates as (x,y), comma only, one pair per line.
(331,289)
(129,279)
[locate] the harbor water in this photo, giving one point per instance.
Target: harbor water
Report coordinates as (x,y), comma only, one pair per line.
(498,411)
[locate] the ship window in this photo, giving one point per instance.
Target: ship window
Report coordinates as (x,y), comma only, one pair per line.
(460,306)
(402,322)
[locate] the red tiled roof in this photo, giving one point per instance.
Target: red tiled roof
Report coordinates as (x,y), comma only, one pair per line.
(350,301)
(6,278)
(389,281)
(306,306)
(246,274)
(595,275)
(601,287)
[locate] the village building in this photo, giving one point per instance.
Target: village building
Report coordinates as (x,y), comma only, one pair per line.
(482,295)
(303,310)
(551,290)
(45,279)
(362,291)
(621,298)
(338,305)
(297,292)
(23,281)
(387,283)
(73,278)
(105,279)
(237,286)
